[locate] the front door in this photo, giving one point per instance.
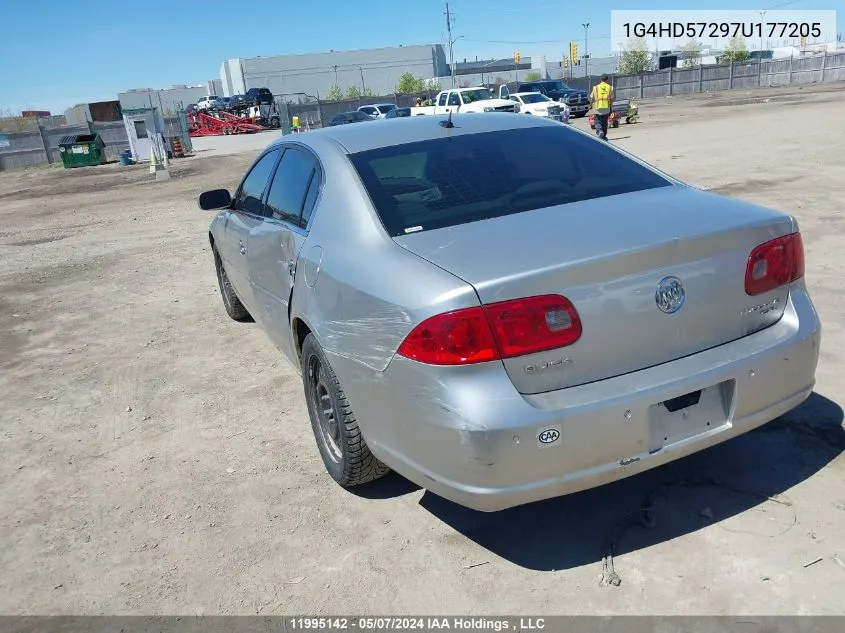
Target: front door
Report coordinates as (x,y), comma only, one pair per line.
(246,215)
(275,244)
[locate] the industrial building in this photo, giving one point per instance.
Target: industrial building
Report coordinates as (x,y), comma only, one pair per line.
(314,74)
(166,100)
(98,112)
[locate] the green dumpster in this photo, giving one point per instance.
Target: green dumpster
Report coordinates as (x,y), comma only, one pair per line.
(81,150)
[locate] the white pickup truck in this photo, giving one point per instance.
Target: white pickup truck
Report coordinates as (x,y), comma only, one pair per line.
(460,100)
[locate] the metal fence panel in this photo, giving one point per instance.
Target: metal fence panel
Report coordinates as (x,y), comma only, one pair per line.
(114,137)
(21,149)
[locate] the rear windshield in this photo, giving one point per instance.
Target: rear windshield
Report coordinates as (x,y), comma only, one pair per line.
(448,181)
(386,108)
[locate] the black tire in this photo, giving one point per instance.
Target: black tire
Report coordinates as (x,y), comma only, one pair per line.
(231,303)
(345,453)
(275,123)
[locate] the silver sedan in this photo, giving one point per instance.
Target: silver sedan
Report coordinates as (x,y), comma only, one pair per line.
(503,309)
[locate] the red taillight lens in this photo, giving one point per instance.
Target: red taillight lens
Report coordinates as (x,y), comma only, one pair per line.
(453,338)
(535,324)
(491,332)
(774,263)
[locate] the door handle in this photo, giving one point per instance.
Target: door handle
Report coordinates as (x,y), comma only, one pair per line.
(291,268)
(243,248)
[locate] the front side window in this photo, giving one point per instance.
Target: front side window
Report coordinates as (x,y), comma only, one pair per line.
(443,182)
(454,99)
(442,99)
(290,185)
(249,196)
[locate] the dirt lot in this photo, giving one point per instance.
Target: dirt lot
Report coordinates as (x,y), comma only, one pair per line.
(157,457)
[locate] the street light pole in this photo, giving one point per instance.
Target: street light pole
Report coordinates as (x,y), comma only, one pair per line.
(586,26)
(762,13)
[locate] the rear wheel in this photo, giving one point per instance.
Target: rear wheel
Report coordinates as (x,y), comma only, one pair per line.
(345,453)
(233,306)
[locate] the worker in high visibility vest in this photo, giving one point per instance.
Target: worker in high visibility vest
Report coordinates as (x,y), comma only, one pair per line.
(295,123)
(601,100)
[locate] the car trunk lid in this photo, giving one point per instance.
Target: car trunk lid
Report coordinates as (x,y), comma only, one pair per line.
(608,256)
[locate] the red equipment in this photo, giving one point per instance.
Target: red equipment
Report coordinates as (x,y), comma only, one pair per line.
(612,120)
(202,124)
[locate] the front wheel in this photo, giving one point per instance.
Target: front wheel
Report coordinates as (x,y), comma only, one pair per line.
(345,453)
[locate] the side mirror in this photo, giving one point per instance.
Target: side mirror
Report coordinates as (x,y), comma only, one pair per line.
(215,199)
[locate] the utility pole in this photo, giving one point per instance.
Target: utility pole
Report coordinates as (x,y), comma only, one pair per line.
(363,87)
(448,15)
(586,26)
(335,74)
(762,13)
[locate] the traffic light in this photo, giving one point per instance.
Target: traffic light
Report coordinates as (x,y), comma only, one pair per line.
(516,57)
(573,53)
(565,61)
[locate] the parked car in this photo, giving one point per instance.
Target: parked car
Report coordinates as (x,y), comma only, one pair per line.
(209,102)
(397,113)
(479,99)
(377,110)
(237,100)
(258,96)
(577,100)
(342,118)
(501,329)
(538,104)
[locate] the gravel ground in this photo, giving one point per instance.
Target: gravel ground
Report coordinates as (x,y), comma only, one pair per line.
(157,457)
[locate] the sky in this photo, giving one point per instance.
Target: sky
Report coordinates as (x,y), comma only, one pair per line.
(56,53)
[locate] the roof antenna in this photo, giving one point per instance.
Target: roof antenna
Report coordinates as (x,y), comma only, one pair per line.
(448,123)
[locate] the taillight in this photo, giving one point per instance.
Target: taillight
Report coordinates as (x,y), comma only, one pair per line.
(495,331)
(774,263)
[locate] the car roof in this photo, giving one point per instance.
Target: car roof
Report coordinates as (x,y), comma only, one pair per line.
(528,92)
(360,138)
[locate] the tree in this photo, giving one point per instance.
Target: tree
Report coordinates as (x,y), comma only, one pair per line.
(692,54)
(433,85)
(408,84)
(533,76)
(736,51)
(635,58)
(353,92)
(367,93)
(335,94)
(464,84)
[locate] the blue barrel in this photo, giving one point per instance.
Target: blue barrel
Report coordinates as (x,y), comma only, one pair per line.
(126,158)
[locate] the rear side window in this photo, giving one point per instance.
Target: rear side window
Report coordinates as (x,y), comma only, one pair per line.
(448,181)
(442,100)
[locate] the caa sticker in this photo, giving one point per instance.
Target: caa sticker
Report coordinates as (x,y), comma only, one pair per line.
(548,436)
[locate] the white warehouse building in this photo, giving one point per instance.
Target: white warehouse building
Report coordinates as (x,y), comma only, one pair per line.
(314,74)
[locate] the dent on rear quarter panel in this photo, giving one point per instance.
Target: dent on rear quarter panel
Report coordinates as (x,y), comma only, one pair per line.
(370,292)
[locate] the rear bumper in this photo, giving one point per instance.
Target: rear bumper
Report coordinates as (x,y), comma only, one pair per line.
(466,434)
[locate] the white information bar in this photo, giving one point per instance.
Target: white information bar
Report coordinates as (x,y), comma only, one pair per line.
(669,29)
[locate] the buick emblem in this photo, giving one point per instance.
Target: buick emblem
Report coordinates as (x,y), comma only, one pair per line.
(670,295)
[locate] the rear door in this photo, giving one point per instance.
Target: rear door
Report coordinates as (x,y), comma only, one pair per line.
(247,213)
(276,242)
